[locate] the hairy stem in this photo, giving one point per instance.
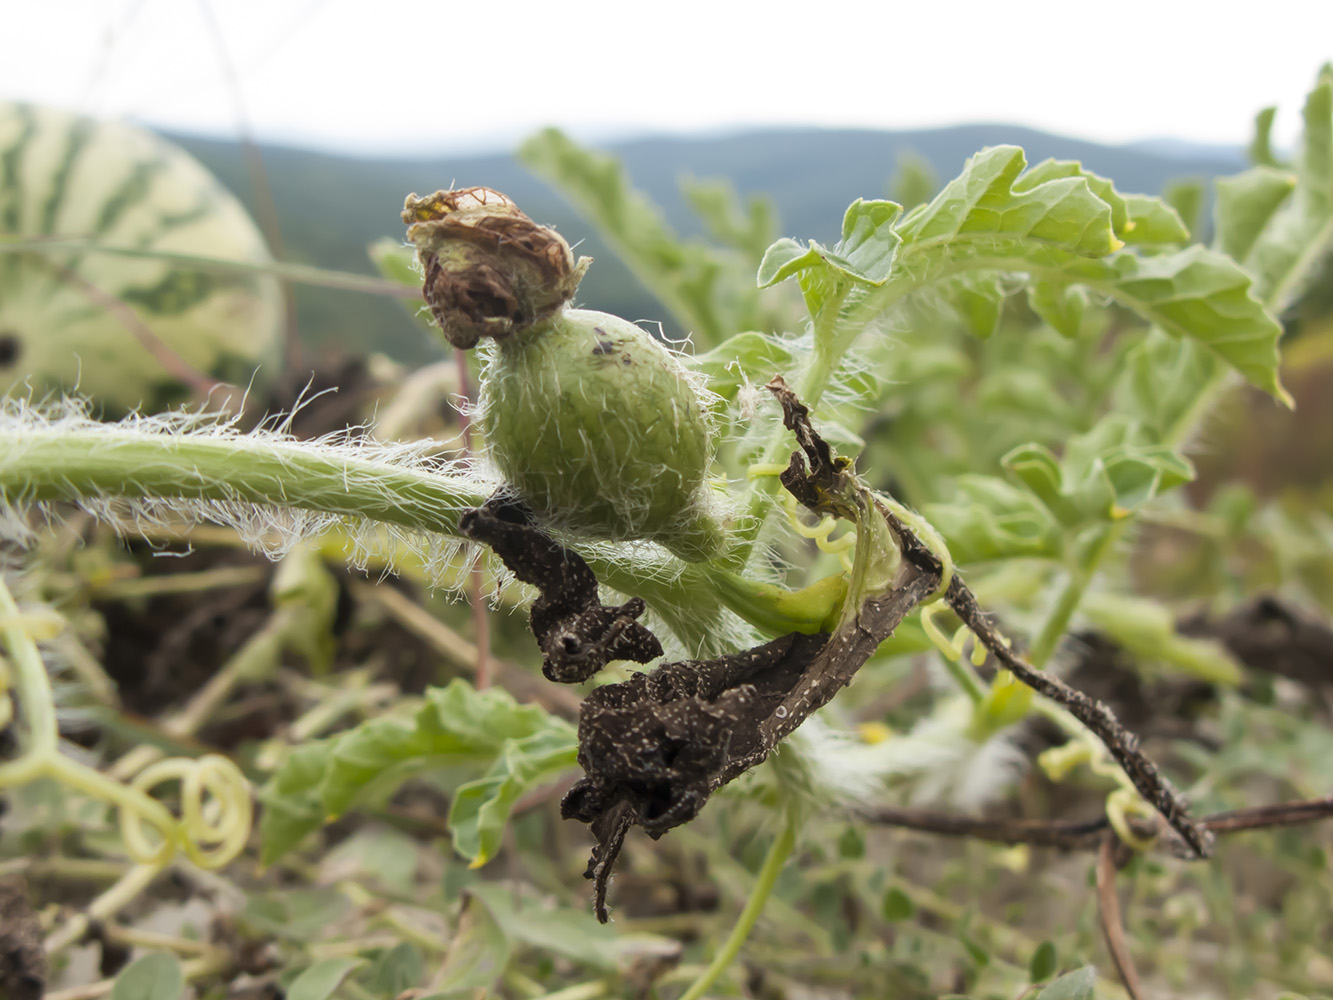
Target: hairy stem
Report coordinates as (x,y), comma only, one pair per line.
(77,463)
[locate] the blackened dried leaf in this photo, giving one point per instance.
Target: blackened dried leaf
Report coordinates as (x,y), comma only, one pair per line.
(830,481)
(655,747)
(578,635)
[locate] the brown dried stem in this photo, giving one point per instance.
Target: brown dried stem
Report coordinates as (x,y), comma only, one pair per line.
(1108,909)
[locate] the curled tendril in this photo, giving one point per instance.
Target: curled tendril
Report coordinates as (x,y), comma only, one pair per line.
(216,812)
(1123,804)
(842,547)
(950,648)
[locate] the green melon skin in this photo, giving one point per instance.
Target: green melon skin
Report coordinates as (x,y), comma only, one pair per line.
(600,430)
(65,175)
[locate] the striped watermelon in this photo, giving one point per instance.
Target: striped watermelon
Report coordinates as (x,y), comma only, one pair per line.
(61,174)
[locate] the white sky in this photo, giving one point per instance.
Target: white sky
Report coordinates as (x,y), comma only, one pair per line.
(392,76)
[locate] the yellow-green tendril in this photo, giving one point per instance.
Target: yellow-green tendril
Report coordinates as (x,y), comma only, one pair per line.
(1122,803)
(952,651)
(215,796)
(216,810)
(842,547)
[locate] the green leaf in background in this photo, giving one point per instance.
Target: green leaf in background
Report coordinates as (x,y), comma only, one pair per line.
(1076,985)
(1147,629)
(321,980)
(481,808)
(574,934)
(1044,962)
(1246,204)
(914,182)
(297,914)
(897,906)
(718,206)
(292,804)
(1187,197)
(980,301)
(395,970)
(744,357)
(988,518)
(1059,306)
(478,953)
(1260,150)
(456,725)
(700,286)
(157,976)
(1163,381)
(1281,239)
(1105,474)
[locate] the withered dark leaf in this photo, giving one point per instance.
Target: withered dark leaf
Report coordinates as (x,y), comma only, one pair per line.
(577,633)
(655,747)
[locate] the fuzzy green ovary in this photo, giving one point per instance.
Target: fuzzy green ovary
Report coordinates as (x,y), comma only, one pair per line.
(599,429)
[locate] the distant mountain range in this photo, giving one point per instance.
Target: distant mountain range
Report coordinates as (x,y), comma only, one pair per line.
(331,207)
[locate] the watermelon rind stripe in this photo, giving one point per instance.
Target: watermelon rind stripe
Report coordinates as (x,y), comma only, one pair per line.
(134,190)
(79,135)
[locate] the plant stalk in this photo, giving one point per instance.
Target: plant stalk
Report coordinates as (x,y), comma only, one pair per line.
(763,888)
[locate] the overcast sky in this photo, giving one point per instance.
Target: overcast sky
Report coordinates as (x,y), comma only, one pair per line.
(392,76)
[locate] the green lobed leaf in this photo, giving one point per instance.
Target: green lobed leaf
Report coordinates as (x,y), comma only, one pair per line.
(1203,295)
(1135,219)
(481,808)
(863,256)
(1104,475)
(157,976)
(1052,205)
(456,725)
(291,800)
(1059,224)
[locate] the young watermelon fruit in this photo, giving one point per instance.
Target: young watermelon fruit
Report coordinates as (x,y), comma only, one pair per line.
(596,425)
(60,325)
